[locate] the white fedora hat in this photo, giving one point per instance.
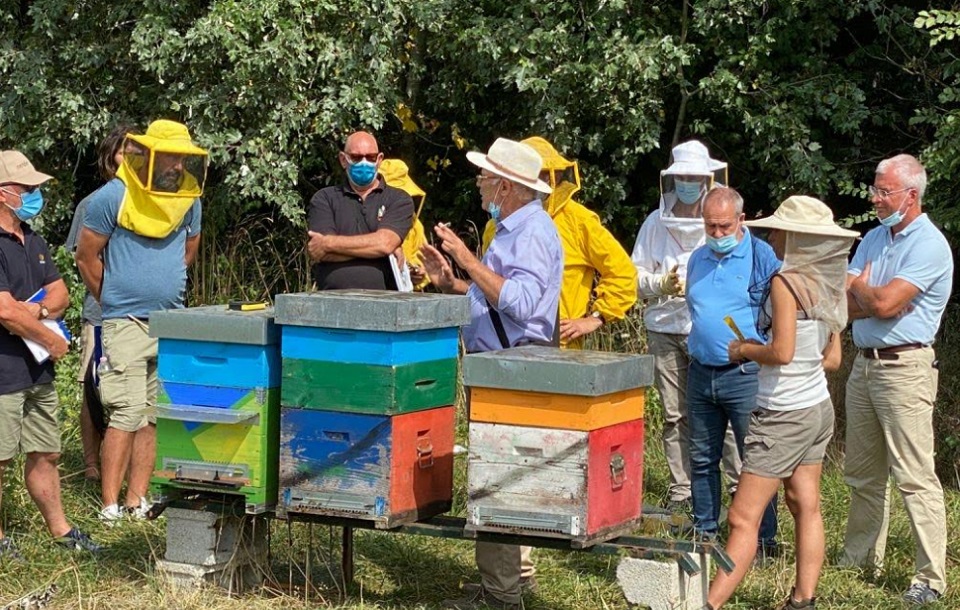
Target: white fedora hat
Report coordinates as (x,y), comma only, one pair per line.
(802,214)
(514,161)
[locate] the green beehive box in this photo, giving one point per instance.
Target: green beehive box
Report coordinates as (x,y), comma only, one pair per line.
(368,388)
(233,450)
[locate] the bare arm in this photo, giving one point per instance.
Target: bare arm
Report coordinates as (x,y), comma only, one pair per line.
(832,353)
(191,249)
(378,244)
(783,343)
(17,319)
(485,278)
(89,247)
(854,311)
(887,301)
(440,273)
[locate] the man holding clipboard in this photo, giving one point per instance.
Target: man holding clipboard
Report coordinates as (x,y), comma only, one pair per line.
(28,398)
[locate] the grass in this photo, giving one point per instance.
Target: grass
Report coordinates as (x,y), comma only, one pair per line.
(411,572)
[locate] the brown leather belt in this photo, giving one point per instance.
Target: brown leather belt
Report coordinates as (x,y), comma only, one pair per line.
(889,353)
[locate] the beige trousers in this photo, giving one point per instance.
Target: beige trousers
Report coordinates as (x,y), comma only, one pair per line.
(501,567)
(671,360)
(889,406)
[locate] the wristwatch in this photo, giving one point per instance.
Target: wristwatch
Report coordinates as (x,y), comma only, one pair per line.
(44,312)
(598,316)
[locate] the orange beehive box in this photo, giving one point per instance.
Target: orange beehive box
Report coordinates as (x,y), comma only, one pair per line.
(565,411)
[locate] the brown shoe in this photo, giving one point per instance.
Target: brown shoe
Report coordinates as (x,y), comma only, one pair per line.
(528,585)
(479,599)
(792,604)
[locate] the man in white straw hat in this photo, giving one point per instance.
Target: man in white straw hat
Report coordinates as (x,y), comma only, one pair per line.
(32,295)
(899,283)
(804,308)
(514,298)
(664,244)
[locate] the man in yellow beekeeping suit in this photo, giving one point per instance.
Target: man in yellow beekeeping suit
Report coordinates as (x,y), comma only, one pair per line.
(589,250)
(397,175)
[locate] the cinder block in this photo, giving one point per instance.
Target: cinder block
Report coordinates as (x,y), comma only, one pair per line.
(662,585)
(207,539)
(235,577)
(216,323)
(383,310)
(535,368)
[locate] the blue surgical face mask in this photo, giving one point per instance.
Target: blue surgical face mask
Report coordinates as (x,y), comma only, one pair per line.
(362,173)
(494,208)
(30,205)
(688,192)
(722,245)
(893,219)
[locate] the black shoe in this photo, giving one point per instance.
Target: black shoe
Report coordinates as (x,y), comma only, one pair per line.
(792,604)
(75,540)
(767,553)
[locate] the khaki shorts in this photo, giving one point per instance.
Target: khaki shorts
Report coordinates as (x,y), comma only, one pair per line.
(28,421)
(129,389)
(779,441)
(86,349)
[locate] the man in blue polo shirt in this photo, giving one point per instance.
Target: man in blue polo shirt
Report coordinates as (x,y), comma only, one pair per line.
(899,283)
(725,277)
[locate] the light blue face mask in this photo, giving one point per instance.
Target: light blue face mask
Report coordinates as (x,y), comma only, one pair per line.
(31,203)
(722,245)
(494,210)
(362,173)
(688,192)
(893,219)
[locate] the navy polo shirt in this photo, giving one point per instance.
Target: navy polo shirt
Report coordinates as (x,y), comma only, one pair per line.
(25,268)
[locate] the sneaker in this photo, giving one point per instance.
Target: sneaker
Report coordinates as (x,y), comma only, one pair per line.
(920,594)
(111,515)
(9,551)
(792,604)
(139,511)
(479,599)
(75,540)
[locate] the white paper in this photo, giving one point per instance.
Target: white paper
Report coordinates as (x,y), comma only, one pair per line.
(40,353)
(401,275)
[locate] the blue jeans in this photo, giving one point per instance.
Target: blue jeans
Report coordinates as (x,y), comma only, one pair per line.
(716,397)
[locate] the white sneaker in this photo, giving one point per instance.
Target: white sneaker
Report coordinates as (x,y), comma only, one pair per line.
(140,511)
(111,515)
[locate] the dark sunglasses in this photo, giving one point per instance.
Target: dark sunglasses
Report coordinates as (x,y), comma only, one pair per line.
(372,157)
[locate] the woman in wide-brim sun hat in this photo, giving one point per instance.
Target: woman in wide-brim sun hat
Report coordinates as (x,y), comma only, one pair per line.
(802,314)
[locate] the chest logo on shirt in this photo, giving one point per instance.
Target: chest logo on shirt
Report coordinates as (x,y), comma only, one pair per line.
(380,212)
(42,259)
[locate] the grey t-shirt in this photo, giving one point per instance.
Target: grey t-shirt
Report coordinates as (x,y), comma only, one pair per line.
(140,274)
(91,312)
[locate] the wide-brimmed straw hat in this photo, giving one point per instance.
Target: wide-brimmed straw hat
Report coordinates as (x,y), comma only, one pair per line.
(169,137)
(514,161)
(15,168)
(802,214)
(692,159)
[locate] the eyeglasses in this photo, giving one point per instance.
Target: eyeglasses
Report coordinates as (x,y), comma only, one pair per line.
(481,178)
(372,157)
(884,193)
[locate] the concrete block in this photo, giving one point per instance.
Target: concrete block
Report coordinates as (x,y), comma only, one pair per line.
(535,368)
(204,539)
(216,323)
(235,577)
(662,585)
(383,310)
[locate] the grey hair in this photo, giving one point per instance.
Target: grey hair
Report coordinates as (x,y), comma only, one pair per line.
(909,170)
(725,194)
(525,193)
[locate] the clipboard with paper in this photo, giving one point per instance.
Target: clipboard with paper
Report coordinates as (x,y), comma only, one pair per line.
(40,353)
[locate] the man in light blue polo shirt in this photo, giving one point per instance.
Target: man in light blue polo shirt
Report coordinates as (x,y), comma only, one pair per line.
(725,277)
(899,282)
